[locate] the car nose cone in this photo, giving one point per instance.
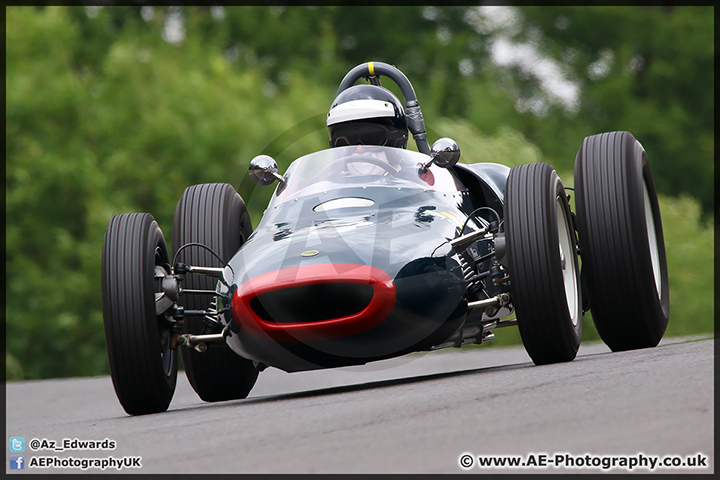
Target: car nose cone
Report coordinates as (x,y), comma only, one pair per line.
(313,302)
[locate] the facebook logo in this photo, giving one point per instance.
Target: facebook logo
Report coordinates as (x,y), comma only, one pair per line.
(17,462)
(17,444)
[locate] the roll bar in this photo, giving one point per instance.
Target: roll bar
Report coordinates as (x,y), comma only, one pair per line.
(372,71)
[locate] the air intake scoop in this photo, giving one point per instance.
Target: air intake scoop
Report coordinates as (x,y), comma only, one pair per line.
(314,302)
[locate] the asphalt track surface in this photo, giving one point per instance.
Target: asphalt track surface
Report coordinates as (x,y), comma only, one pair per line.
(416,414)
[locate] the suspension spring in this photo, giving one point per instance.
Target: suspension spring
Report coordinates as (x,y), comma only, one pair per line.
(211,317)
(469,274)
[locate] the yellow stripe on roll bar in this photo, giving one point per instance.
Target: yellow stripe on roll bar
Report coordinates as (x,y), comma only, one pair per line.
(371,68)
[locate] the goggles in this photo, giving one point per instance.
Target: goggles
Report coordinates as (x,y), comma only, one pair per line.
(355,133)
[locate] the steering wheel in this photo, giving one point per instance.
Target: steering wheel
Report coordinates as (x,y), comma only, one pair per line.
(372,71)
(341,163)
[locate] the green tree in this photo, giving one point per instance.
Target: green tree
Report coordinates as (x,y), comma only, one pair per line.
(119,132)
(648,70)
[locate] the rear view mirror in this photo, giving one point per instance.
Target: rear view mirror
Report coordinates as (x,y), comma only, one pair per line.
(264,170)
(445,152)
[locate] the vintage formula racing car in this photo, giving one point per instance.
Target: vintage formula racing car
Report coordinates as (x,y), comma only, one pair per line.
(368,251)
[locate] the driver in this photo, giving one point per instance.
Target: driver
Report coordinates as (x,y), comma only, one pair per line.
(367,115)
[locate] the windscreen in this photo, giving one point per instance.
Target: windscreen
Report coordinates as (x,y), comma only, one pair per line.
(359,165)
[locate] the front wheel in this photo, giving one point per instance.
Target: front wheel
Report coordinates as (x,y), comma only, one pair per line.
(543,264)
(142,364)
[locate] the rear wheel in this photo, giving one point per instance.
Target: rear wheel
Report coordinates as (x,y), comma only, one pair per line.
(621,241)
(215,216)
(543,264)
(142,364)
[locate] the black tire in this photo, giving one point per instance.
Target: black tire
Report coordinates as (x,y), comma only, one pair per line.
(624,262)
(215,216)
(549,319)
(142,365)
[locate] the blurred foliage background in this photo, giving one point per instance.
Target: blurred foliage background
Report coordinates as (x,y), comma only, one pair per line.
(119,108)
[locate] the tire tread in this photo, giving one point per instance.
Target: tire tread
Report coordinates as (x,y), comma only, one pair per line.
(608,174)
(216,216)
(536,282)
(129,313)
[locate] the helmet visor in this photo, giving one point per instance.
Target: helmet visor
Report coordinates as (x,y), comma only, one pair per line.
(361,133)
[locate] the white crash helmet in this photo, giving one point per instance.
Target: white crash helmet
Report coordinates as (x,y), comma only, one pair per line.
(367,115)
